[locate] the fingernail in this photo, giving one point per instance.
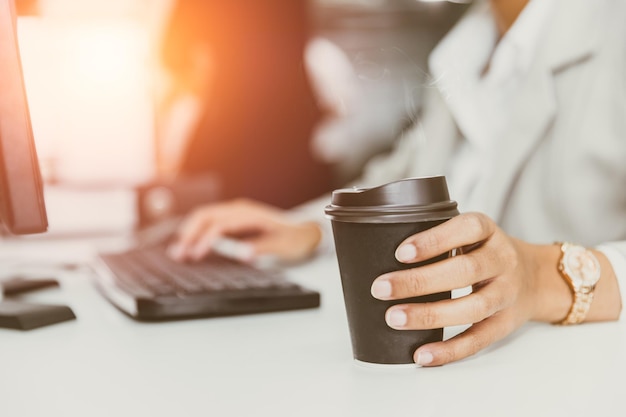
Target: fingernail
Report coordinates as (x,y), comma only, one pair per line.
(406,253)
(381,288)
(396,318)
(424,358)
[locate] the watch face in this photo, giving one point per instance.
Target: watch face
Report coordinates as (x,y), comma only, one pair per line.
(582,266)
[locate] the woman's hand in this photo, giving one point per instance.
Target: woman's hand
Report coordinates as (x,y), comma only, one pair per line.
(259,230)
(512,282)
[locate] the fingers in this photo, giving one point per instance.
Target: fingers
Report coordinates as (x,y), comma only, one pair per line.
(468,343)
(463,230)
(452,273)
(246,231)
(204,230)
(488,262)
(196,237)
(473,308)
(193,227)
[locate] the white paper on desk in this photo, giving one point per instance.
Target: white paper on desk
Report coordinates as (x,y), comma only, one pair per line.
(83,211)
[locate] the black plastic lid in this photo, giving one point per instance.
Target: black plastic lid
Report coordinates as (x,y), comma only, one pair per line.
(408,200)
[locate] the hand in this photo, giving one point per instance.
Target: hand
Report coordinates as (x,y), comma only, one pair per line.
(512,282)
(260,229)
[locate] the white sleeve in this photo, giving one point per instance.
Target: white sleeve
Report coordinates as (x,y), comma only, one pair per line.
(313,211)
(616,254)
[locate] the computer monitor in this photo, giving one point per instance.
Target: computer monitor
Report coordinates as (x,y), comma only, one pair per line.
(22,207)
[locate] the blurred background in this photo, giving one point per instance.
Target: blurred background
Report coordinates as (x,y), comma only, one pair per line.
(144,108)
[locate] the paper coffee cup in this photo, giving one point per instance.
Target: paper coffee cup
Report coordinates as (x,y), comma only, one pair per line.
(368,226)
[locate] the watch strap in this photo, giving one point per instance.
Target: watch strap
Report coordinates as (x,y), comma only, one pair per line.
(580,308)
(582,295)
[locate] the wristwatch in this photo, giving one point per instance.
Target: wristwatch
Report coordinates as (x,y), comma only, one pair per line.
(580,269)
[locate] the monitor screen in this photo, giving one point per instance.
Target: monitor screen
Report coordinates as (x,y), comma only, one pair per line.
(22,208)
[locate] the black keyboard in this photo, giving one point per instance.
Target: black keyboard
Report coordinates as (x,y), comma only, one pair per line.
(147,285)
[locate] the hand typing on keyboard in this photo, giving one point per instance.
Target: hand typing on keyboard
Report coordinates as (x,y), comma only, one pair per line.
(248,231)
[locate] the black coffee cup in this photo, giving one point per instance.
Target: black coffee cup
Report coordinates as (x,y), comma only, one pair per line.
(368,226)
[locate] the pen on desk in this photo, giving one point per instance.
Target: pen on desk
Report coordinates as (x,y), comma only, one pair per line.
(232,249)
(242,252)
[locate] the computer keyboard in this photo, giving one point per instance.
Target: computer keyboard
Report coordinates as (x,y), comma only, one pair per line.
(145,284)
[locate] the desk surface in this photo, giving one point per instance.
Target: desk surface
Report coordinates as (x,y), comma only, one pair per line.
(281,364)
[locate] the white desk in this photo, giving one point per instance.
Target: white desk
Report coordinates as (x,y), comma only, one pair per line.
(283,364)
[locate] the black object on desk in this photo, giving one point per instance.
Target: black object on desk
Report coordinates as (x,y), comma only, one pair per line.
(145,284)
(18,284)
(26,316)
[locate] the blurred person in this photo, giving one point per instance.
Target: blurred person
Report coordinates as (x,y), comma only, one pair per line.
(368,72)
(242,62)
(526,118)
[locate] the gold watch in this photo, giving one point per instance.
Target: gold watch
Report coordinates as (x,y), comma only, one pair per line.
(580,269)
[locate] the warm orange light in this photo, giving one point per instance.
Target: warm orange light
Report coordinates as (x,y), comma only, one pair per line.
(106,54)
(90,92)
